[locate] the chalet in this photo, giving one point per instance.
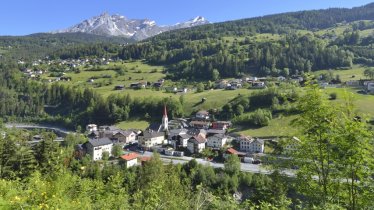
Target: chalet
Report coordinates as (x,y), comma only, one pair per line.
(216,141)
(130,159)
(200,124)
(252,145)
(96,147)
(221,125)
(91,128)
(126,137)
(151,138)
(196,144)
(202,115)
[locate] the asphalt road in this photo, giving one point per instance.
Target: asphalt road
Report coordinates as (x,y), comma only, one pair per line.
(245,167)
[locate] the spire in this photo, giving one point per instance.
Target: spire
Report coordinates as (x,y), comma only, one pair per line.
(165,112)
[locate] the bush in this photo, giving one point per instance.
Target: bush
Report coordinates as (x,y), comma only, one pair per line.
(333,96)
(199,87)
(260,117)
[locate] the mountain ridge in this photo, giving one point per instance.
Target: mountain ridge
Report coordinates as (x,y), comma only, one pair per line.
(119,25)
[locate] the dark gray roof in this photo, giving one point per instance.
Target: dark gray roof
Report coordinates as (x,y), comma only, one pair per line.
(185,136)
(154,126)
(125,133)
(216,131)
(100,142)
(150,134)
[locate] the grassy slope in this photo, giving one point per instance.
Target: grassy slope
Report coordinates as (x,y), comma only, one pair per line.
(214,98)
(136,124)
(346,75)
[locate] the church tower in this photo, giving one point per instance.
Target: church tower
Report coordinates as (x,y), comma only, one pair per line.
(165,121)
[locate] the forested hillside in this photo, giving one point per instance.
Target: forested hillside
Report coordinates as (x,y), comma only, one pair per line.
(283,44)
(37,46)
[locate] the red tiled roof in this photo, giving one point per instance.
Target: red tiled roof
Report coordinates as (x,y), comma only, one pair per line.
(232,151)
(145,159)
(130,156)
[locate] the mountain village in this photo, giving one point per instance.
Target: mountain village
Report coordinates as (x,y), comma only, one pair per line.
(176,137)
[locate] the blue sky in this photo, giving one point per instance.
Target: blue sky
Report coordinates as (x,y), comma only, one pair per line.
(21,17)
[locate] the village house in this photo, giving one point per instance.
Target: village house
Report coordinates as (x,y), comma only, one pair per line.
(216,141)
(151,138)
(91,128)
(290,145)
(353,83)
(126,137)
(180,141)
(200,124)
(370,87)
(196,144)
(221,84)
(258,85)
(202,115)
(251,145)
(130,159)
(221,125)
(178,138)
(96,147)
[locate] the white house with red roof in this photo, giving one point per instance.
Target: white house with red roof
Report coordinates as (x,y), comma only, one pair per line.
(130,159)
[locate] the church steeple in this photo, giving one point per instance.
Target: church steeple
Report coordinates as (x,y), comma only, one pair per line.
(165,112)
(165,121)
